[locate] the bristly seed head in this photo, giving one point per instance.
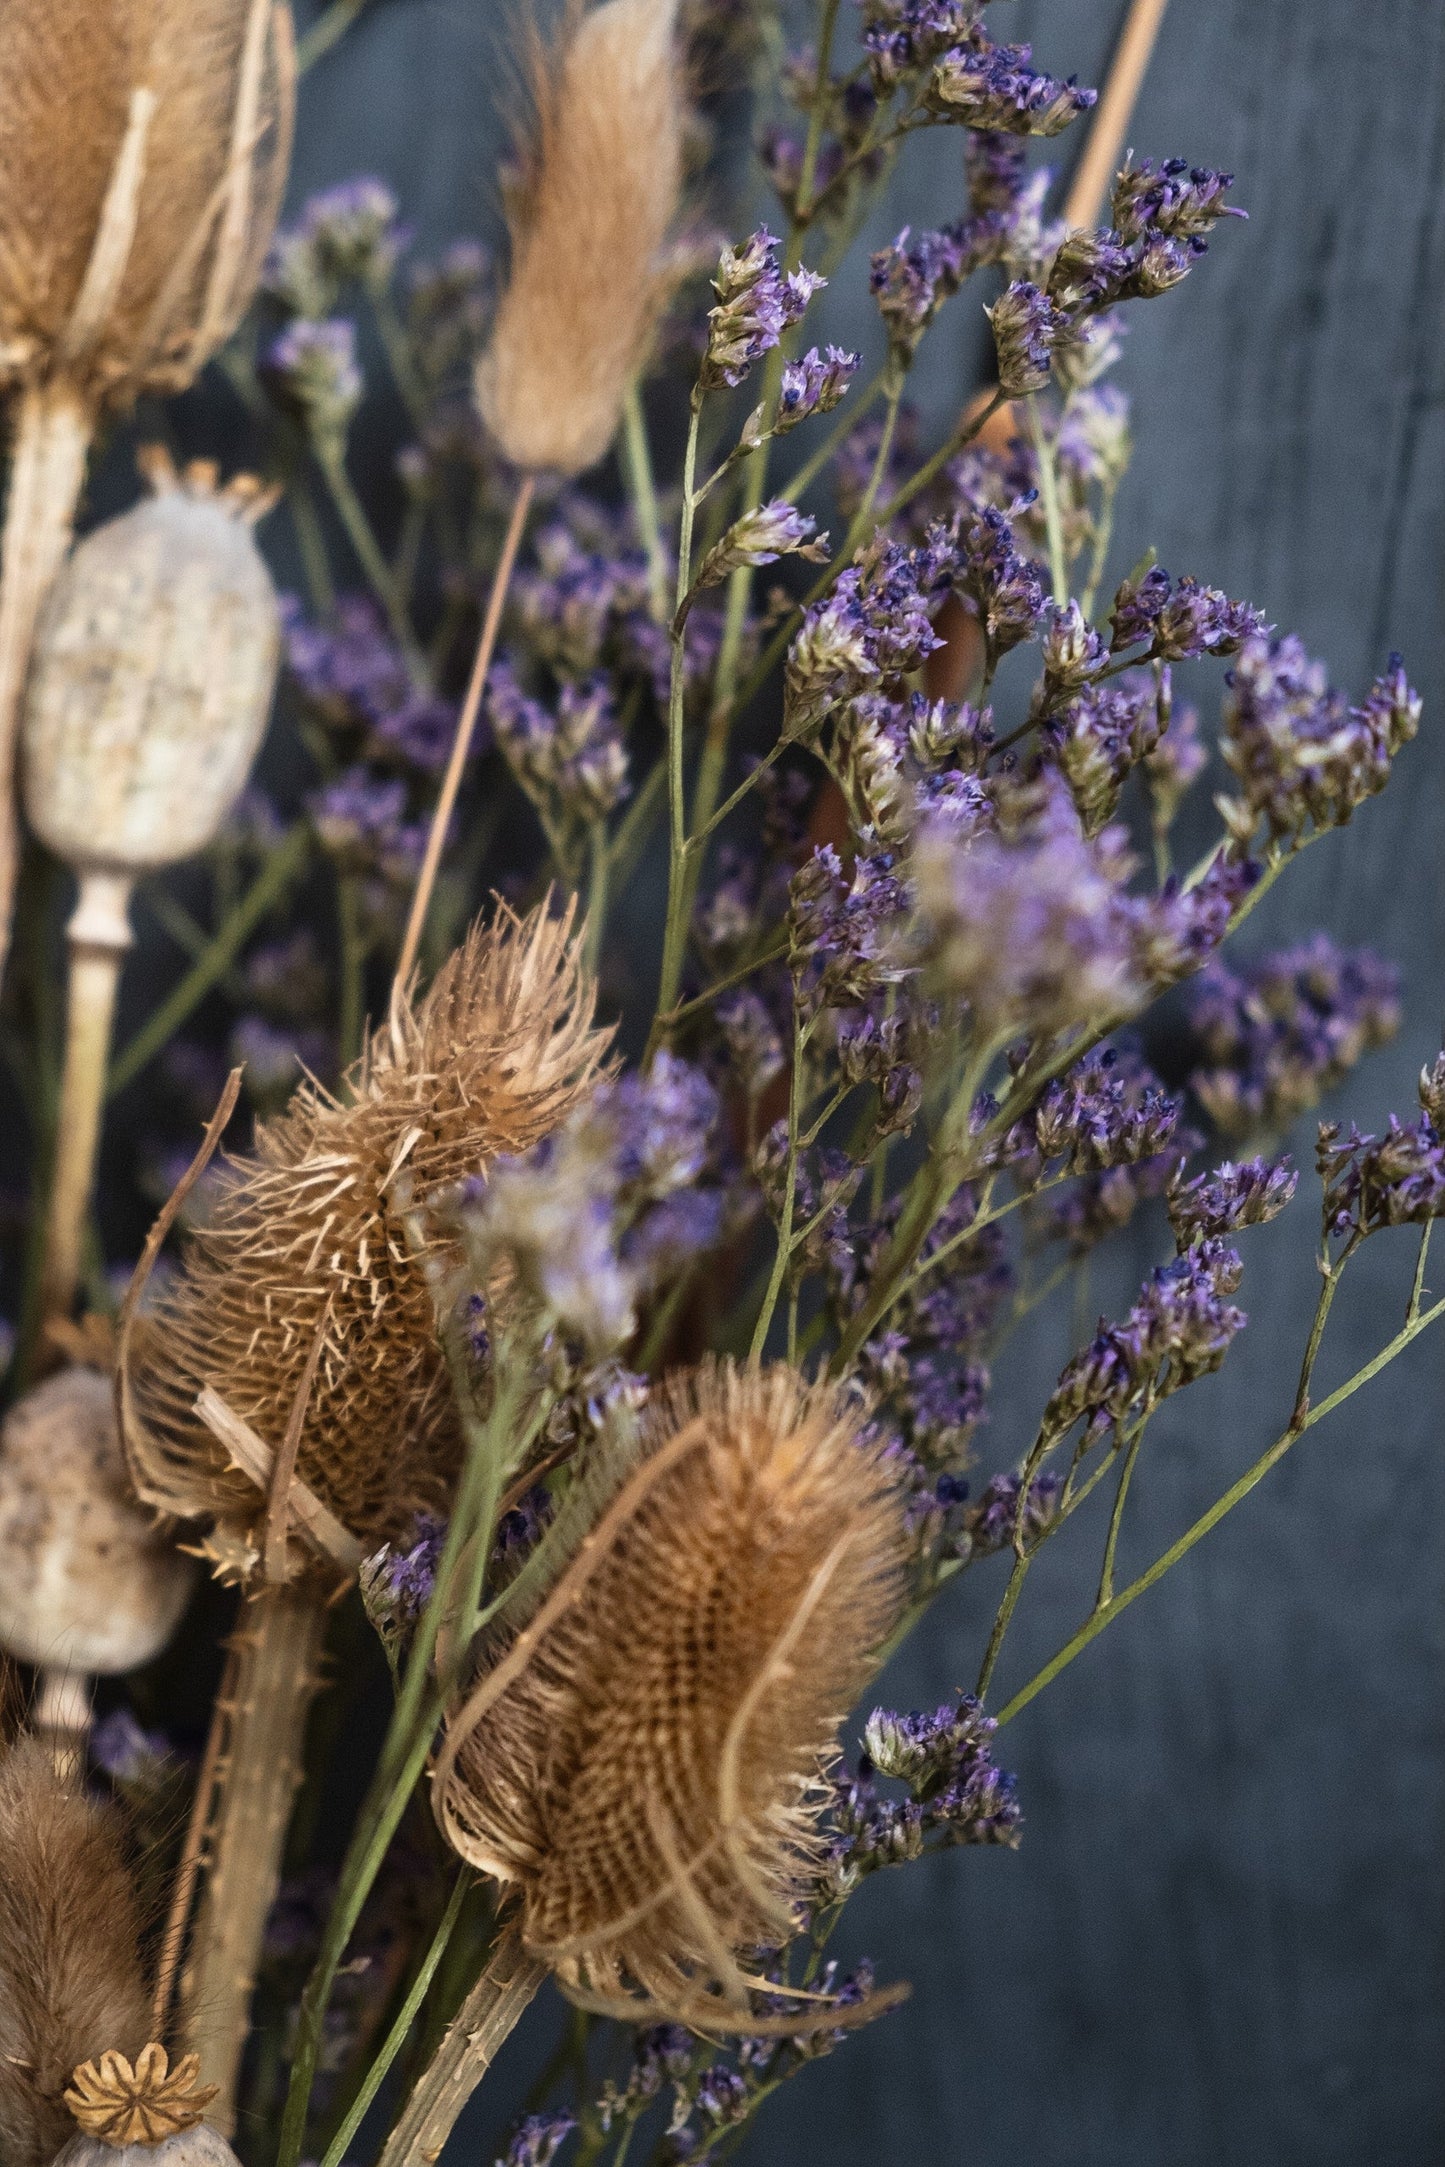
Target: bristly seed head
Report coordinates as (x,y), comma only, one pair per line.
(639,1759)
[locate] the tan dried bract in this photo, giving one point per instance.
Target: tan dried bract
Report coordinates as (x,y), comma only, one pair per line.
(310,1239)
(641,1763)
(141,2103)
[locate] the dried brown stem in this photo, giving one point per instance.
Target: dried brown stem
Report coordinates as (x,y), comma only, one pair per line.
(461,744)
(53,431)
(466,2053)
(1114,113)
(189,1865)
(278,1645)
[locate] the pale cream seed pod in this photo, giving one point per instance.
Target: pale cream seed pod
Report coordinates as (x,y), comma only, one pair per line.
(154,671)
(88,1584)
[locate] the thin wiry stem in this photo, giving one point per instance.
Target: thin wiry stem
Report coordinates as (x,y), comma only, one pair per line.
(678,888)
(1049,495)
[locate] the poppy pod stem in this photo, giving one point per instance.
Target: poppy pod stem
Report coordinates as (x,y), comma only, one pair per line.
(278,1647)
(461,743)
(52,436)
(486,2018)
(98,936)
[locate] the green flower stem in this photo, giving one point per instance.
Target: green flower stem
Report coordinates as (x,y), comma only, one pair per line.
(642,488)
(1121,1499)
(281,868)
(674,946)
(725,984)
(1103,537)
(630,838)
(596,894)
(398,360)
(328,29)
(396,2038)
(790,1180)
(331,458)
(1049,493)
(852,412)
(1105,1613)
(813,141)
(351,1020)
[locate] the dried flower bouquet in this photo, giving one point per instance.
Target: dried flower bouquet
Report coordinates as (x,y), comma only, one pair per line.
(595,1343)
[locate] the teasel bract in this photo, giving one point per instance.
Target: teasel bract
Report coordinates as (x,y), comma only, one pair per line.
(154,668)
(591,209)
(302,1326)
(639,1760)
(144,146)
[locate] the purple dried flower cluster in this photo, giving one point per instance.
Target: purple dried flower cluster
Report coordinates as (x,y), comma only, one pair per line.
(1276,1035)
(537,2140)
(757,301)
(1299,754)
(570,760)
(353,676)
(347,235)
(869,634)
(1180,1329)
(956,1794)
(1370,1182)
(1230,1197)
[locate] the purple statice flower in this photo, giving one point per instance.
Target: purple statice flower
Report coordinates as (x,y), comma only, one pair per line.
(315,371)
(446,310)
(1108,1111)
(348,234)
(994,1523)
(992,86)
(871,633)
(1033,928)
(722,2096)
(360,819)
(1071,650)
(761,536)
(1004,589)
(352,674)
(1180,928)
(1275,1036)
(570,760)
(537,2140)
(814,385)
(1171,197)
(582,596)
(995,165)
(957,1794)
(610,1206)
(753,1040)
(398,1580)
(1179,621)
(886,1051)
(1180,1329)
(1099,735)
(1229,1197)
(757,303)
(902,36)
(1026,328)
(845,929)
(125,1752)
(1174,763)
(911,279)
(287,978)
(1370,1182)
(1432,1091)
(1298,753)
(1090,269)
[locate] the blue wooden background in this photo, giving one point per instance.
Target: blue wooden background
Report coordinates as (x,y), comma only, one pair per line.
(1223,1940)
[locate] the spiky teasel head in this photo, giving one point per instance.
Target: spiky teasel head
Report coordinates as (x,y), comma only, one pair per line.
(590,219)
(143,153)
(639,1760)
(310,1242)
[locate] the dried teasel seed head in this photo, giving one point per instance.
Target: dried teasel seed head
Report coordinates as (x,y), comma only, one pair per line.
(308,1241)
(639,1759)
(140,2103)
(87,1582)
(153,674)
(144,146)
(590,218)
(71,1981)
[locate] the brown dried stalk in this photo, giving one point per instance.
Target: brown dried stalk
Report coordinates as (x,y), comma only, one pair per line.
(71,1983)
(639,1761)
(590,216)
(467,2051)
(144,146)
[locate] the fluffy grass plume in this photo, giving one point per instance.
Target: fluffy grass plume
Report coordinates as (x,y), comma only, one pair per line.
(590,218)
(640,1760)
(207,159)
(71,1984)
(310,1228)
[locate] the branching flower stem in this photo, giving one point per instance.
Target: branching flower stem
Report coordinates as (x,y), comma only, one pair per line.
(1049,495)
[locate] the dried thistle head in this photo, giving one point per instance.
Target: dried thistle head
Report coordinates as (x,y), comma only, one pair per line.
(590,218)
(143,2102)
(71,1983)
(144,146)
(309,1242)
(639,1760)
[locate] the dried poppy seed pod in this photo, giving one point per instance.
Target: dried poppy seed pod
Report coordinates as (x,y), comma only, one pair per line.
(638,1761)
(154,670)
(87,1583)
(144,147)
(142,2114)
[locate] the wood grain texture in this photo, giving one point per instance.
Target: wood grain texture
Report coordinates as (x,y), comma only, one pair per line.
(1224,1937)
